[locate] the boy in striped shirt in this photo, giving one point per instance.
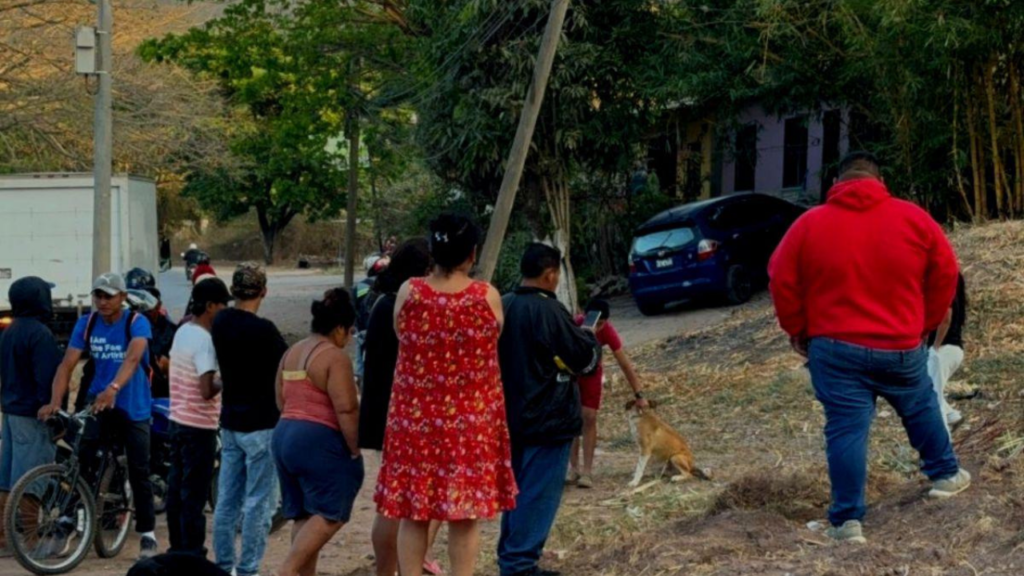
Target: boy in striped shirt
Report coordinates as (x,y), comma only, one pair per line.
(195,412)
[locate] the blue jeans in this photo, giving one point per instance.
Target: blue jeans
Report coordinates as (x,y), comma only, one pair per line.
(540,474)
(847,381)
(247,490)
(24,444)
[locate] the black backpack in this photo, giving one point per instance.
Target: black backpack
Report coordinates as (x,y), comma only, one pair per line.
(89,370)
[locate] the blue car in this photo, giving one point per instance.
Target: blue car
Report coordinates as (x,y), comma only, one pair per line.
(717,248)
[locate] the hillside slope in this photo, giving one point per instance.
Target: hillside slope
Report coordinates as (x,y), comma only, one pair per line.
(745,403)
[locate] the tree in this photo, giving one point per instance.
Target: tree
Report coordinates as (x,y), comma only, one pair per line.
(479,60)
(162,115)
(932,85)
(298,77)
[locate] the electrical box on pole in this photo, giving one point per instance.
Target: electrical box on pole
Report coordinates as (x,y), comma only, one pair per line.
(85,50)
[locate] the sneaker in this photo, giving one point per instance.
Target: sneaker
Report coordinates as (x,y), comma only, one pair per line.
(585,481)
(572,478)
(948,487)
(148,548)
(850,531)
(49,547)
(954,417)
(69,542)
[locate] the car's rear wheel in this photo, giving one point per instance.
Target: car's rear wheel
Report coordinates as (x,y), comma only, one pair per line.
(739,285)
(649,308)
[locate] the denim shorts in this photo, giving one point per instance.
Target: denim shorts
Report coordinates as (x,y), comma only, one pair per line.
(318,475)
(24,444)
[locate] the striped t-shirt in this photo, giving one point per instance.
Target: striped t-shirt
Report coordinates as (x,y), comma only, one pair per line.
(193,355)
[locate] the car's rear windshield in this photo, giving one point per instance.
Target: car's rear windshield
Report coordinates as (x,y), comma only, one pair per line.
(670,239)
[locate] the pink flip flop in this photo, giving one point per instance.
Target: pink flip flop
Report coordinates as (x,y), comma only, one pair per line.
(433,567)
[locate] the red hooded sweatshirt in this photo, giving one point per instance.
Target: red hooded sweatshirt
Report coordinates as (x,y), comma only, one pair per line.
(864,268)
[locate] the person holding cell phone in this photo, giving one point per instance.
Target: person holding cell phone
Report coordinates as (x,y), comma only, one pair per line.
(596,318)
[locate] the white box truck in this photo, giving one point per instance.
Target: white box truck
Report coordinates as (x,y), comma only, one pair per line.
(46,230)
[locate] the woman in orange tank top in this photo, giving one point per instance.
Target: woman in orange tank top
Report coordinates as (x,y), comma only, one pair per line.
(315,444)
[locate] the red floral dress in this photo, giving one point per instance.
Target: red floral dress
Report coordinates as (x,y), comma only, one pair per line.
(446,448)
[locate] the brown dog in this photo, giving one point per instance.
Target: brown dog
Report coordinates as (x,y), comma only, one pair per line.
(657,439)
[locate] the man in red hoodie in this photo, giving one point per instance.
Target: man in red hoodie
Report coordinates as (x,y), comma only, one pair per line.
(858,284)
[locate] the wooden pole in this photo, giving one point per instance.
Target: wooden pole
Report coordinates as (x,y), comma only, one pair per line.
(353,191)
(524,136)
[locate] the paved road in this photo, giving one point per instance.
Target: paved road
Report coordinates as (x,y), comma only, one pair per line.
(292,291)
(289,294)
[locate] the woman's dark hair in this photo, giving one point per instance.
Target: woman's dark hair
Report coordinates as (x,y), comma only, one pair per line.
(334,310)
(410,260)
(452,240)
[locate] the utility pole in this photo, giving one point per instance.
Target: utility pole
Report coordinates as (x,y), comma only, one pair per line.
(103,142)
(524,136)
(353,191)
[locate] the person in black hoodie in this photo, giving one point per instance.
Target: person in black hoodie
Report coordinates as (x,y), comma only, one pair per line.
(28,361)
(541,351)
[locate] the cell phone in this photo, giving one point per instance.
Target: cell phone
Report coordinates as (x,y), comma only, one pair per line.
(593,317)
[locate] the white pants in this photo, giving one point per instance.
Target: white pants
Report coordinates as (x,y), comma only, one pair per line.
(942,364)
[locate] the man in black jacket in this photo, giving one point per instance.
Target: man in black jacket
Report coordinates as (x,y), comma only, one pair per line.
(28,360)
(541,350)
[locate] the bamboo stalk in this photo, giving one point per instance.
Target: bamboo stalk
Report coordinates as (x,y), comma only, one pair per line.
(976,178)
(982,157)
(1018,119)
(998,174)
(956,152)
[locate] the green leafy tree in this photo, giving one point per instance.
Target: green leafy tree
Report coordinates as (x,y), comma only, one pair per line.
(479,58)
(299,76)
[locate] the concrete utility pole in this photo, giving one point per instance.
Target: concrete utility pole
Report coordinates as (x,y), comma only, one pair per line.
(103,142)
(524,136)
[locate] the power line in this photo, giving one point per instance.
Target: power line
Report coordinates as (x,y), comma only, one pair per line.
(491,25)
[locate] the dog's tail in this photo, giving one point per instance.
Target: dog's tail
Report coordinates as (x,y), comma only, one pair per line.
(701,473)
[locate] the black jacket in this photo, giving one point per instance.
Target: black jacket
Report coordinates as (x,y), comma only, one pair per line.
(381,347)
(28,351)
(541,351)
(160,346)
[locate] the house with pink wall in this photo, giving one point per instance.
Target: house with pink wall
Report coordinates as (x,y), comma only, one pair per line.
(793,156)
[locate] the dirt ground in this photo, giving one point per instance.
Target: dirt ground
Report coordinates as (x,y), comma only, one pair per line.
(727,381)
(350,553)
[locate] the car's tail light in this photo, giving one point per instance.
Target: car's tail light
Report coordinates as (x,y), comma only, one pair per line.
(632,265)
(5,322)
(706,249)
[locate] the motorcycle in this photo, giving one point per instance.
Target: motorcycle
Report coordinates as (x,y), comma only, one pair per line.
(192,259)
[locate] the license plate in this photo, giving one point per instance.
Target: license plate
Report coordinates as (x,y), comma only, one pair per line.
(663,263)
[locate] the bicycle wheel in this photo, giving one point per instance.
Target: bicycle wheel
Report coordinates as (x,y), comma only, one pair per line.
(50,520)
(113,510)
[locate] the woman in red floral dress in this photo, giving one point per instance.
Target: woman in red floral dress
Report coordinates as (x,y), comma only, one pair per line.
(446,450)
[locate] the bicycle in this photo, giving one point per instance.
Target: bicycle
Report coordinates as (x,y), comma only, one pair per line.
(54,514)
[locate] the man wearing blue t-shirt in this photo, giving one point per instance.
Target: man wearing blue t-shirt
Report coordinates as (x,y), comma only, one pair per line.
(119,390)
